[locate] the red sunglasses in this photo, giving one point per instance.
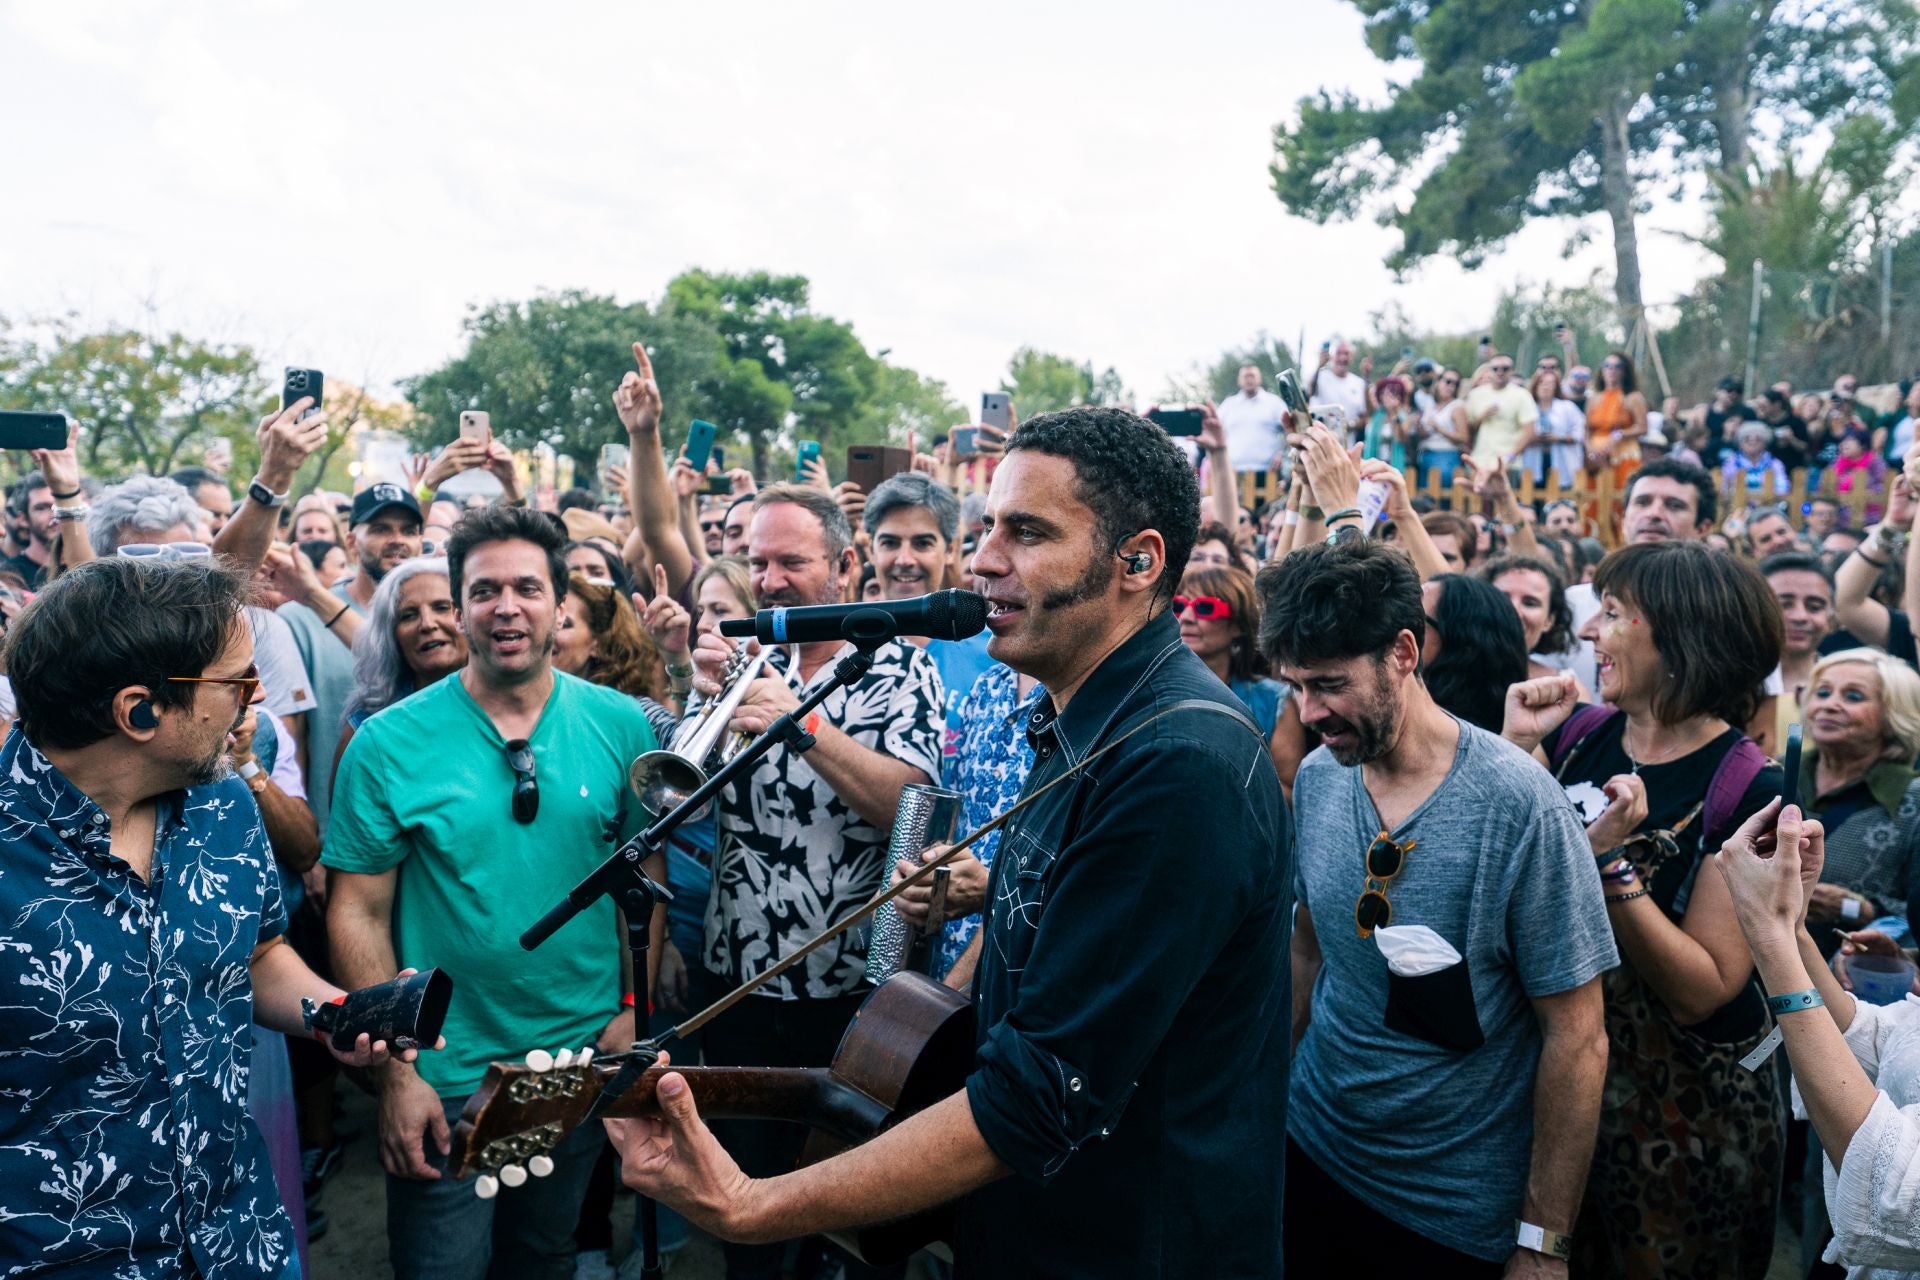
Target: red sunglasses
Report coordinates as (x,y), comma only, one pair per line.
(1204,608)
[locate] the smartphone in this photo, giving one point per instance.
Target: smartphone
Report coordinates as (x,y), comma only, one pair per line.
(719,457)
(1287,387)
(476,424)
(719,487)
(613,455)
(996,410)
(963,442)
(20,430)
(809,451)
(700,444)
(869,464)
(1178,422)
(302,382)
(1406,353)
(1327,346)
(1559,326)
(1790,786)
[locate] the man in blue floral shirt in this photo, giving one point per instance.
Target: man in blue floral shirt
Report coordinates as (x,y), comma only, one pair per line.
(140,926)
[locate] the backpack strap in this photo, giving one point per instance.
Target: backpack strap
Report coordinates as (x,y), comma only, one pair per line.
(1577,729)
(1731,778)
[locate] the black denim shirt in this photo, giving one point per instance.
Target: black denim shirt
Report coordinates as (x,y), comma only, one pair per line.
(1133,994)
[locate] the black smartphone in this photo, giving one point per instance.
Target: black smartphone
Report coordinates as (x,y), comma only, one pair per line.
(719,487)
(868,465)
(1178,422)
(719,457)
(699,444)
(1287,387)
(20,430)
(302,382)
(996,410)
(1790,785)
(963,442)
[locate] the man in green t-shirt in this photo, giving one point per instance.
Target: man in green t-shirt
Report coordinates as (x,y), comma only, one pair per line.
(460,815)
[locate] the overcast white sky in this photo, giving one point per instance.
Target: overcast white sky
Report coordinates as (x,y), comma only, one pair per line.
(336,183)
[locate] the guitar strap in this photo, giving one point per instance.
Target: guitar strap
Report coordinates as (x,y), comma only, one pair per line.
(925,872)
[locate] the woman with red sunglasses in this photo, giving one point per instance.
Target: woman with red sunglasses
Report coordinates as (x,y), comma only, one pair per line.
(1220,621)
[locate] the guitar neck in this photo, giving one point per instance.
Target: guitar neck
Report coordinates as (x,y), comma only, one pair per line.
(804,1095)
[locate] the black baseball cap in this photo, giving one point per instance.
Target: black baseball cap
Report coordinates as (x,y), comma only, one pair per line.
(371,501)
(1731,384)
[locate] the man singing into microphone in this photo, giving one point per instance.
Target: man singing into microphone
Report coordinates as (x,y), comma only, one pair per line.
(1126,1114)
(803,838)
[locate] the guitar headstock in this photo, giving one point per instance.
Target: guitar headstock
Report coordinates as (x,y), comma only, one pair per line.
(520,1113)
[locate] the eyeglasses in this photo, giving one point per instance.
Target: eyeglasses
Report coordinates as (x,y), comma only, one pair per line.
(1611,364)
(1500,368)
(247,683)
(1454,378)
(526,792)
(713,526)
(1204,608)
(1386,858)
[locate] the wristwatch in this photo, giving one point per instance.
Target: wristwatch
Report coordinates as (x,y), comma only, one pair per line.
(1540,1240)
(265,496)
(1891,540)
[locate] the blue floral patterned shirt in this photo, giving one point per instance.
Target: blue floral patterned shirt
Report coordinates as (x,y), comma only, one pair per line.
(126,1015)
(988,770)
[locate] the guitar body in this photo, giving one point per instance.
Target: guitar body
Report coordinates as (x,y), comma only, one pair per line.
(909,1046)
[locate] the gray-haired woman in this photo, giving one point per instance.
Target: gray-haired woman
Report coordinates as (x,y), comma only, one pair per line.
(411,639)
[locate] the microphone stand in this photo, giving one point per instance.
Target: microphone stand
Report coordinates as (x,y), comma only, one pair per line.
(621,875)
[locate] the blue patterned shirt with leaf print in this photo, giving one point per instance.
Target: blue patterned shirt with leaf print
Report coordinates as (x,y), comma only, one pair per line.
(126,1016)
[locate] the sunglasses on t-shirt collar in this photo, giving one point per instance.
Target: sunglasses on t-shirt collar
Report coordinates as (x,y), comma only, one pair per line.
(526,792)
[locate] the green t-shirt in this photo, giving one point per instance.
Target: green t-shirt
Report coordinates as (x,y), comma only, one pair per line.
(425,786)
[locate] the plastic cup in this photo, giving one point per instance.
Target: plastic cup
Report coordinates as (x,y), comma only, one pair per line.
(1881,979)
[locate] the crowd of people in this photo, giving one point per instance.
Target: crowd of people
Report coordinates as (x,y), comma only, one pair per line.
(1442,919)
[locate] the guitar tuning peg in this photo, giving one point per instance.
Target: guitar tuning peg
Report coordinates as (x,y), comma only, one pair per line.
(513,1175)
(540,1166)
(586,1056)
(486,1186)
(563,1059)
(539,1060)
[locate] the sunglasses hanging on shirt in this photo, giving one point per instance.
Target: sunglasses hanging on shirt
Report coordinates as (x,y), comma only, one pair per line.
(526,792)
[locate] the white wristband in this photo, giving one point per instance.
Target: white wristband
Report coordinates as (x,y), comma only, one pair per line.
(1293,518)
(1849,908)
(249,771)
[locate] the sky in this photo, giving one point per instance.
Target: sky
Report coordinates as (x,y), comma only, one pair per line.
(336,184)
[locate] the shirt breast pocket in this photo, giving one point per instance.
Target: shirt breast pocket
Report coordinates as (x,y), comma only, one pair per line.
(1023,885)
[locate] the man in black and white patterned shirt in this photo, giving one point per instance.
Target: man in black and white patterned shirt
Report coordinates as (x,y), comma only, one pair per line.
(803,841)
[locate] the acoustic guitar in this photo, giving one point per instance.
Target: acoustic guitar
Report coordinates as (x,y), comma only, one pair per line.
(910,1045)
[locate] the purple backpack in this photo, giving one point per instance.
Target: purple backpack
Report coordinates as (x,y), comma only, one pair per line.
(1731,777)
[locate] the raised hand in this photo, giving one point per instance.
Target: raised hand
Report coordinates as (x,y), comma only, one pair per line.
(499,464)
(685,480)
(815,471)
(61,467)
(1399,505)
(1213,434)
(637,398)
(853,501)
(662,617)
(286,442)
(1330,467)
(463,454)
(1535,708)
(742,481)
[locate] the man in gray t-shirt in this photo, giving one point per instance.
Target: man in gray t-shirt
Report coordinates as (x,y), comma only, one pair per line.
(1442,1110)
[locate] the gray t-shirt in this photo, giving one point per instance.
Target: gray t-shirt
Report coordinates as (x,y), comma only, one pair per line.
(1431,1137)
(330,671)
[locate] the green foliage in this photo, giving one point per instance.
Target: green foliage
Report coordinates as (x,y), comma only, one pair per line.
(1041,382)
(145,403)
(545,370)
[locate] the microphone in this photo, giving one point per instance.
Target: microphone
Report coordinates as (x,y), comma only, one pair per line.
(943,615)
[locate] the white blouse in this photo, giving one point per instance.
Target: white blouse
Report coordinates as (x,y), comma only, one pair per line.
(1874,1200)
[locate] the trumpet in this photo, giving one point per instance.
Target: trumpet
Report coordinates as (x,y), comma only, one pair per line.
(663,779)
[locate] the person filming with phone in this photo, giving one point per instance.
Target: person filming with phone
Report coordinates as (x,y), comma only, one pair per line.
(142,909)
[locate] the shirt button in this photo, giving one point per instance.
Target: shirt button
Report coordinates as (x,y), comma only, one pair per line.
(1074,1084)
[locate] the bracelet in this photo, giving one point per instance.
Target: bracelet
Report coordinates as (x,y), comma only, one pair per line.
(1861,551)
(1342,514)
(1625,875)
(1795,1001)
(1311,513)
(626,1001)
(336,617)
(68,497)
(80,512)
(1622,897)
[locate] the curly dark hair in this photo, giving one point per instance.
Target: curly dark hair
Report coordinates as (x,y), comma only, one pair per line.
(1558,637)
(626,657)
(505,524)
(1130,473)
(1333,601)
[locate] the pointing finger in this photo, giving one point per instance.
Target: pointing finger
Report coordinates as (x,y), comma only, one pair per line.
(641,359)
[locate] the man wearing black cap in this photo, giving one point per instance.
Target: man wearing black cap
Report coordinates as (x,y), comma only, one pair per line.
(385,531)
(1790,438)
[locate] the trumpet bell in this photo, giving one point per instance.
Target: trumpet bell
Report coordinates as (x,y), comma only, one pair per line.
(662,781)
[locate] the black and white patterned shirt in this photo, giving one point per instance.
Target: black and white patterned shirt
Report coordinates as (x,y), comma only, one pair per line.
(793,856)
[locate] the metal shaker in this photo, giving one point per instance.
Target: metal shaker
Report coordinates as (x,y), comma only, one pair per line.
(926,815)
